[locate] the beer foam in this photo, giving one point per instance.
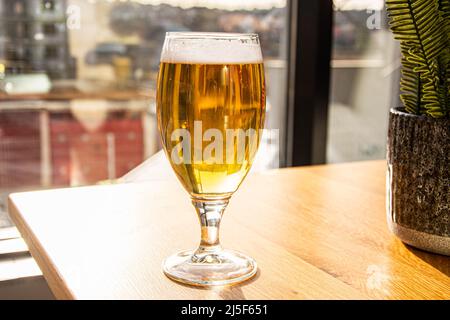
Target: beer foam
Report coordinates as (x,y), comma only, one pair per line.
(214,48)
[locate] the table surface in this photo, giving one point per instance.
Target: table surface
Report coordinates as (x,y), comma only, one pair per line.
(316,232)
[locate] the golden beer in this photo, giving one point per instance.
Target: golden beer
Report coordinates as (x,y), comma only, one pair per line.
(210,107)
(201,98)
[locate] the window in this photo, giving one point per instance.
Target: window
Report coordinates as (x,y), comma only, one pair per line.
(365,67)
(77,102)
(51,52)
(50,29)
(48,5)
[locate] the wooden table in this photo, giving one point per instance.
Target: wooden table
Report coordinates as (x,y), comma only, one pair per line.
(316,232)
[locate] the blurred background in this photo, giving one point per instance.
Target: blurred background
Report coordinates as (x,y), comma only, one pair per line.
(78,78)
(77,82)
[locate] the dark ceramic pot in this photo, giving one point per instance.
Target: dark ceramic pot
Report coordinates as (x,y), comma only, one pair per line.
(418,182)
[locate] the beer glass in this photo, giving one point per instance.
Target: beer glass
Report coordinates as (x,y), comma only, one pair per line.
(210,109)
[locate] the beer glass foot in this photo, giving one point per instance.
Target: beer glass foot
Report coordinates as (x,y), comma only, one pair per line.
(217,268)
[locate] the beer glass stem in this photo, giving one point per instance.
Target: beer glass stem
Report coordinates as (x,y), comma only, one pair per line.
(210,214)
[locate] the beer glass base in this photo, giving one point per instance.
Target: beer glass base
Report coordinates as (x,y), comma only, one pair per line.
(225,267)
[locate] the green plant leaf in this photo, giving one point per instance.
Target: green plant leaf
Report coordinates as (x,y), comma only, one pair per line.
(422,27)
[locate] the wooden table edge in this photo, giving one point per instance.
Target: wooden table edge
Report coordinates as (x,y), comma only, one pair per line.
(49,270)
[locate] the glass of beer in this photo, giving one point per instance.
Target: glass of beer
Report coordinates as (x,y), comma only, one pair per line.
(211,108)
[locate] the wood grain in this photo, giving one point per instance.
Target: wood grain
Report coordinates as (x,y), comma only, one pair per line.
(316,232)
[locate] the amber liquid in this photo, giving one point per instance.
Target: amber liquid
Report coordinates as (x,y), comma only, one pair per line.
(220,97)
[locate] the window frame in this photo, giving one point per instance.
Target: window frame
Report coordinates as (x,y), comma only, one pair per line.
(309,62)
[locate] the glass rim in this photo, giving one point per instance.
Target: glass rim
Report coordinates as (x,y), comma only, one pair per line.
(187,35)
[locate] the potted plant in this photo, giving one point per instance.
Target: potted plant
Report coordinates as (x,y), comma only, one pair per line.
(418,189)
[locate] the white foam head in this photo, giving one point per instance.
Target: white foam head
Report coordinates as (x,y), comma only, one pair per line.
(211,48)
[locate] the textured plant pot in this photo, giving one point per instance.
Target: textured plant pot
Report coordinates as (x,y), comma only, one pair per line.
(418,182)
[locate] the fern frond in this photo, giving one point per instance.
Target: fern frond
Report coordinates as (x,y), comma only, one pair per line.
(444,70)
(422,28)
(444,9)
(410,86)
